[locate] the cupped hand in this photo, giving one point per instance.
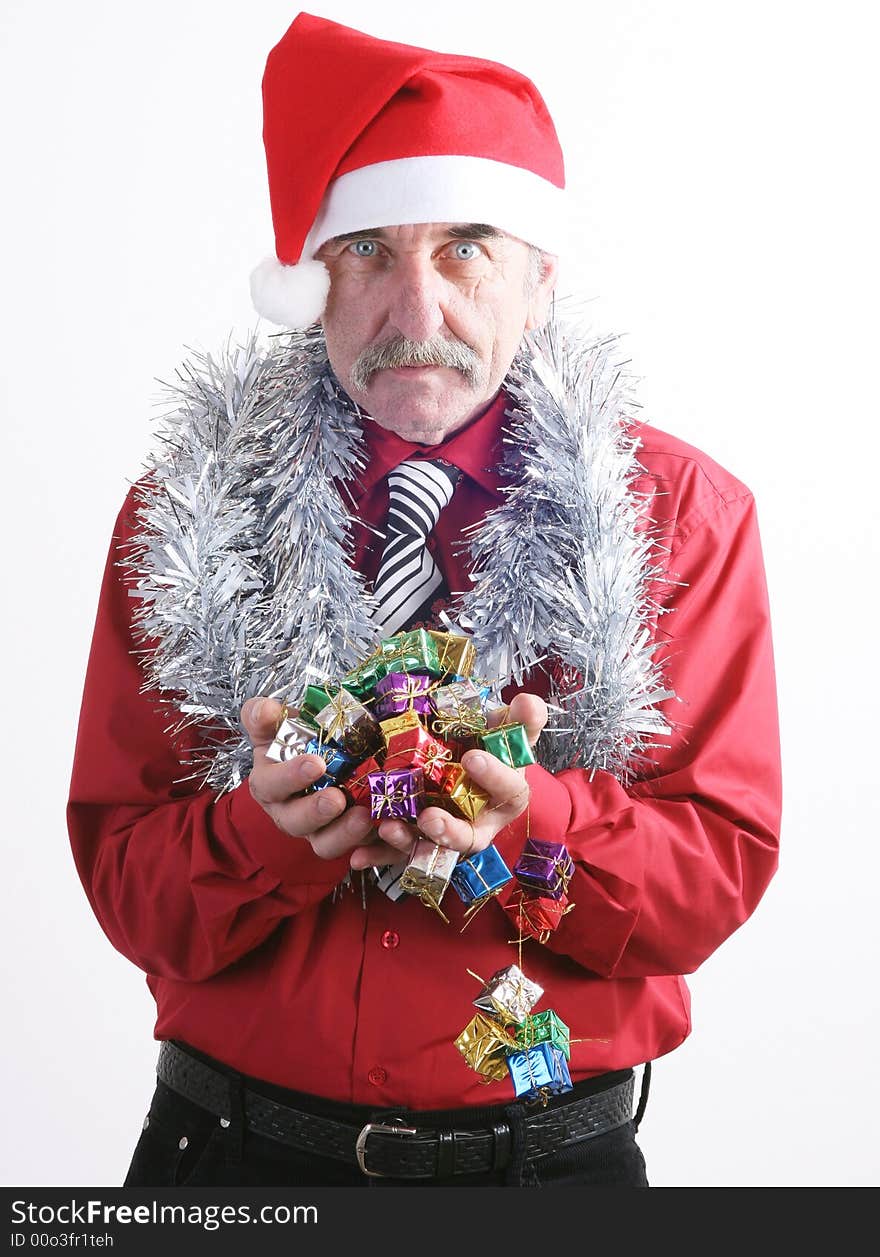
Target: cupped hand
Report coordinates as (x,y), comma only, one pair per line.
(507,788)
(322,818)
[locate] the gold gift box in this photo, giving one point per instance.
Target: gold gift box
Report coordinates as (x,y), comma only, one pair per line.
(400,724)
(463,792)
(454,652)
(485,1045)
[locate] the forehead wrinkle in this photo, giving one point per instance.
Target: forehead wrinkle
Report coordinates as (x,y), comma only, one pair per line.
(375,233)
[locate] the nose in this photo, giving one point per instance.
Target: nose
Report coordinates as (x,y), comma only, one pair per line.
(415,308)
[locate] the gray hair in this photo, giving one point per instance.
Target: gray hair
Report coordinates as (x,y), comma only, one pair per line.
(534,269)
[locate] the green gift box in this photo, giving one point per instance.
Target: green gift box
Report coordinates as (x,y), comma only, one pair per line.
(415,651)
(314,700)
(544,1027)
(510,744)
(361,681)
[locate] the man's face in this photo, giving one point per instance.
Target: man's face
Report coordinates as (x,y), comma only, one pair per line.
(458,292)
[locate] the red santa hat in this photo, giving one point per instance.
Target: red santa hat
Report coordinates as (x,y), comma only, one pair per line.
(362,133)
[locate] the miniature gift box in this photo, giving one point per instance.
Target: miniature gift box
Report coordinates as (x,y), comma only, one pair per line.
(413,651)
(509,994)
(485,1045)
(481,875)
(406,721)
(361,681)
(399,794)
(346,720)
(545,867)
(314,699)
(539,1072)
(291,739)
(459,746)
(462,794)
(457,705)
(428,872)
(538,916)
(544,1027)
(402,691)
(417,747)
(357,786)
(339,764)
(510,744)
(455,653)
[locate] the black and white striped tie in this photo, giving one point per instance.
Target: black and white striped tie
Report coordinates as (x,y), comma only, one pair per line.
(408,578)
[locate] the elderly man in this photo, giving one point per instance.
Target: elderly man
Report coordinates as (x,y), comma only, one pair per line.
(425,457)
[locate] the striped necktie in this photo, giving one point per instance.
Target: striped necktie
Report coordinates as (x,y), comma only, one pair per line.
(408,579)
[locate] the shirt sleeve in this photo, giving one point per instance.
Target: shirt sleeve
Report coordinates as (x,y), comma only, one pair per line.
(182,882)
(667,868)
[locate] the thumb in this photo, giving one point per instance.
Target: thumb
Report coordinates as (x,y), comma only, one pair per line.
(261,717)
(531,711)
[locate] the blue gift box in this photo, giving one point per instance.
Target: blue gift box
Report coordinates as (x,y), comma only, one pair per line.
(339,765)
(539,1070)
(480,875)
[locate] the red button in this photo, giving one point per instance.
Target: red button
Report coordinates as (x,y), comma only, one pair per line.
(390,939)
(377,1076)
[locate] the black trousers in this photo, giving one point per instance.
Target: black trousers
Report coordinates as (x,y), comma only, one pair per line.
(182,1144)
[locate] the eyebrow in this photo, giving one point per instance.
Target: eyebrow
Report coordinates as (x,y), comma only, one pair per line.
(461,231)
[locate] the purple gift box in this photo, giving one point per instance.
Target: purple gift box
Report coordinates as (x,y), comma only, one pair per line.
(399,794)
(544,866)
(402,691)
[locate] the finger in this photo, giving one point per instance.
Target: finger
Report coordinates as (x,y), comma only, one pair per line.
(398,834)
(261,717)
(498,716)
(276,783)
(352,830)
(324,821)
(376,853)
(529,710)
(499,780)
(455,832)
(305,814)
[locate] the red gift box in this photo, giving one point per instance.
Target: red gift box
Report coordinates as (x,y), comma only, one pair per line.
(357,786)
(417,748)
(538,916)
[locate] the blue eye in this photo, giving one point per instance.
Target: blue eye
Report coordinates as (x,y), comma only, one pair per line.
(363,248)
(466,251)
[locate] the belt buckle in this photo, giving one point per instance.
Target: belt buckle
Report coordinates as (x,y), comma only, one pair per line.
(361,1145)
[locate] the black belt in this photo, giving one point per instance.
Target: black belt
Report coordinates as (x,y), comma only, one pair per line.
(392,1147)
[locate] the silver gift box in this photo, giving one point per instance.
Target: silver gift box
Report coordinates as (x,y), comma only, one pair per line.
(292,739)
(509,993)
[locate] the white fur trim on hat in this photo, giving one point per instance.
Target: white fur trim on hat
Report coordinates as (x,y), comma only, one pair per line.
(443,189)
(292,296)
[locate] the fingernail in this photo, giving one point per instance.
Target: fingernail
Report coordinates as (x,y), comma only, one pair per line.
(327,805)
(256,708)
(313,769)
(477,760)
(434,826)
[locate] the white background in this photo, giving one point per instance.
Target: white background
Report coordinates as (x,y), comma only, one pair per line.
(722,159)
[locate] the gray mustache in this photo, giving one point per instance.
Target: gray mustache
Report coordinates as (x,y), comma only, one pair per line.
(400,352)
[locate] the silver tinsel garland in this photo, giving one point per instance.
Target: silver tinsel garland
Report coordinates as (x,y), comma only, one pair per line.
(242,564)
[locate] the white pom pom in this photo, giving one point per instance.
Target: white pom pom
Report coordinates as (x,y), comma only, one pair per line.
(293,296)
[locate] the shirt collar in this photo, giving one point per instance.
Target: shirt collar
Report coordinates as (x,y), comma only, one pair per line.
(476,449)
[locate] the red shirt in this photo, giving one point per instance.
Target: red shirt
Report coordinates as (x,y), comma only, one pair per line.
(251,960)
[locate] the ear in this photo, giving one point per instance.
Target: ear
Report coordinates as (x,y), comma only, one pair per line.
(542,293)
